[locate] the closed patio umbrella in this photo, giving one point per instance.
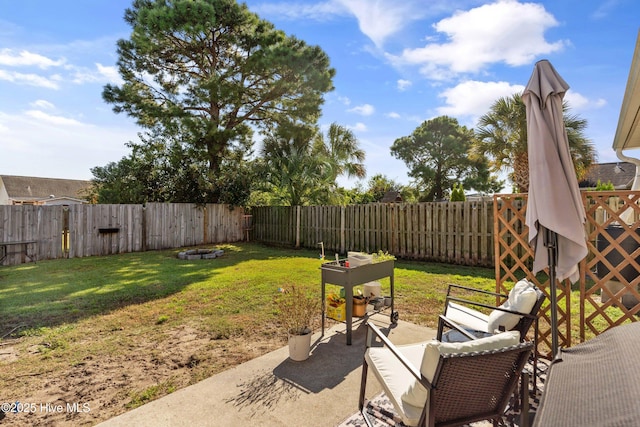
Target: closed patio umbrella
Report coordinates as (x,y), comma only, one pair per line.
(555,213)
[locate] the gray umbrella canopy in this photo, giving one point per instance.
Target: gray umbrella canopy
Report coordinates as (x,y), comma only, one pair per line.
(554,196)
(555,213)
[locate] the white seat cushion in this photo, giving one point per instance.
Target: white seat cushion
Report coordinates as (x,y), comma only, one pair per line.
(468,317)
(395,378)
(416,395)
(522,298)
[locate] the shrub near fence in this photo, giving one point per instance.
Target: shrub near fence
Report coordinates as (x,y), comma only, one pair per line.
(89,230)
(452,232)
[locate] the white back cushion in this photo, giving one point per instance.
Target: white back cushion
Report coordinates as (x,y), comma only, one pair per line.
(522,298)
(416,394)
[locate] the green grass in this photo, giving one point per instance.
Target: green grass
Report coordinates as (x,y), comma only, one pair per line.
(165,290)
(63,315)
(52,293)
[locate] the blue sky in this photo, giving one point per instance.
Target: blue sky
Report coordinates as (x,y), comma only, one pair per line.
(398,63)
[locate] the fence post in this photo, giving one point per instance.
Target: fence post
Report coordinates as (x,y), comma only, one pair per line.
(297,226)
(342,230)
(144,228)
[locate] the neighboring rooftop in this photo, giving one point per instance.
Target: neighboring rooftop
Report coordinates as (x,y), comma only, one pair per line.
(620,174)
(391,197)
(17,190)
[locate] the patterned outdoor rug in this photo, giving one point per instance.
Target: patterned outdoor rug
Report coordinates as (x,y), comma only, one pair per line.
(381,412)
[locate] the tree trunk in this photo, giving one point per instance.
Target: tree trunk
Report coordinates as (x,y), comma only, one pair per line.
(521,172)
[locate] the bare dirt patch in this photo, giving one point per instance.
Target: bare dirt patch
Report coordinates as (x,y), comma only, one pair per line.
(96,387)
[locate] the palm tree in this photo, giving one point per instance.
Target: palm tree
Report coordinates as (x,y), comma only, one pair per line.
(290,172)
(340,147)
(502,135)
(299,166)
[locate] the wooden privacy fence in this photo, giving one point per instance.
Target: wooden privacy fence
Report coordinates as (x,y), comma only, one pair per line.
(609,276)
(451,232)
(88,230)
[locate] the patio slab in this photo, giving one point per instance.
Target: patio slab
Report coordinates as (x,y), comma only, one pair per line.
(273,390)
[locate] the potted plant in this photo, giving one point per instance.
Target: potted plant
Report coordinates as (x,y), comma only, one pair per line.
(298,313)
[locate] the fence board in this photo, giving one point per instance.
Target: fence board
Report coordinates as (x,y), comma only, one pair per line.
(457,232)
(125,228)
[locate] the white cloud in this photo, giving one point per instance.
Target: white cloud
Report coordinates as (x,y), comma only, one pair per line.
(51,119)
(578,101)
(101,74)
(57,146)
(359,127)
(505,31)
(30,79)
(393,115)
(364,110)
(110,73)
(345,100)
(474,98)
(404,84)
(321,11)
(604,9)
(10,58)
(378,19)
(42,104)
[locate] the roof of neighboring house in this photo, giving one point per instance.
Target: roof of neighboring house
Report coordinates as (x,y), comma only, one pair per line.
(620,174)
(32,188)
(391,197)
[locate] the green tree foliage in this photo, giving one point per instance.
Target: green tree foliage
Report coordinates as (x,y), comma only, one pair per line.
(374,190)
(608,186)
(299,165)
(457,193)
(160,169)
(379,185)
(501,134)
(208,72)
(437,155)
(340,147)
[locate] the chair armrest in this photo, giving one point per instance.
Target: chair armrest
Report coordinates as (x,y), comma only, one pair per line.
(410,367)
(479,291)
(442,320)
(490,307)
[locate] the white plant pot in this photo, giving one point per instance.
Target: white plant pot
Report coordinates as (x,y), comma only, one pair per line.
(299,347)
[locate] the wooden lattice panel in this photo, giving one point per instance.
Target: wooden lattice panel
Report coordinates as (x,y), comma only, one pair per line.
(514,260)
(610,297)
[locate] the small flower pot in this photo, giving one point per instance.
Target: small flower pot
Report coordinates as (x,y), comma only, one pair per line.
(299,347)
(359,306)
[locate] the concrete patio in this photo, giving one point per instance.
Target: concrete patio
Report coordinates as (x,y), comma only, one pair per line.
(273,390)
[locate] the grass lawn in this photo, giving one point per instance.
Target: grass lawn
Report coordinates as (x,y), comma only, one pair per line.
(115,332)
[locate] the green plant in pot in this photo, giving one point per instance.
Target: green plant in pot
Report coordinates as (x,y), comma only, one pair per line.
(297,313)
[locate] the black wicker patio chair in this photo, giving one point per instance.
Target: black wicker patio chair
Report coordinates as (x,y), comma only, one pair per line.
(448,384)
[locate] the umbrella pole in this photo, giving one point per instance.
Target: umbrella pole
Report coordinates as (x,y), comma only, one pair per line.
(550,241)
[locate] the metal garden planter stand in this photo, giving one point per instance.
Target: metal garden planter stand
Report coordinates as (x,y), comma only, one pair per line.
(348,277)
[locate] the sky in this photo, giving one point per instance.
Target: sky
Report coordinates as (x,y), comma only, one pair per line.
(398,63)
